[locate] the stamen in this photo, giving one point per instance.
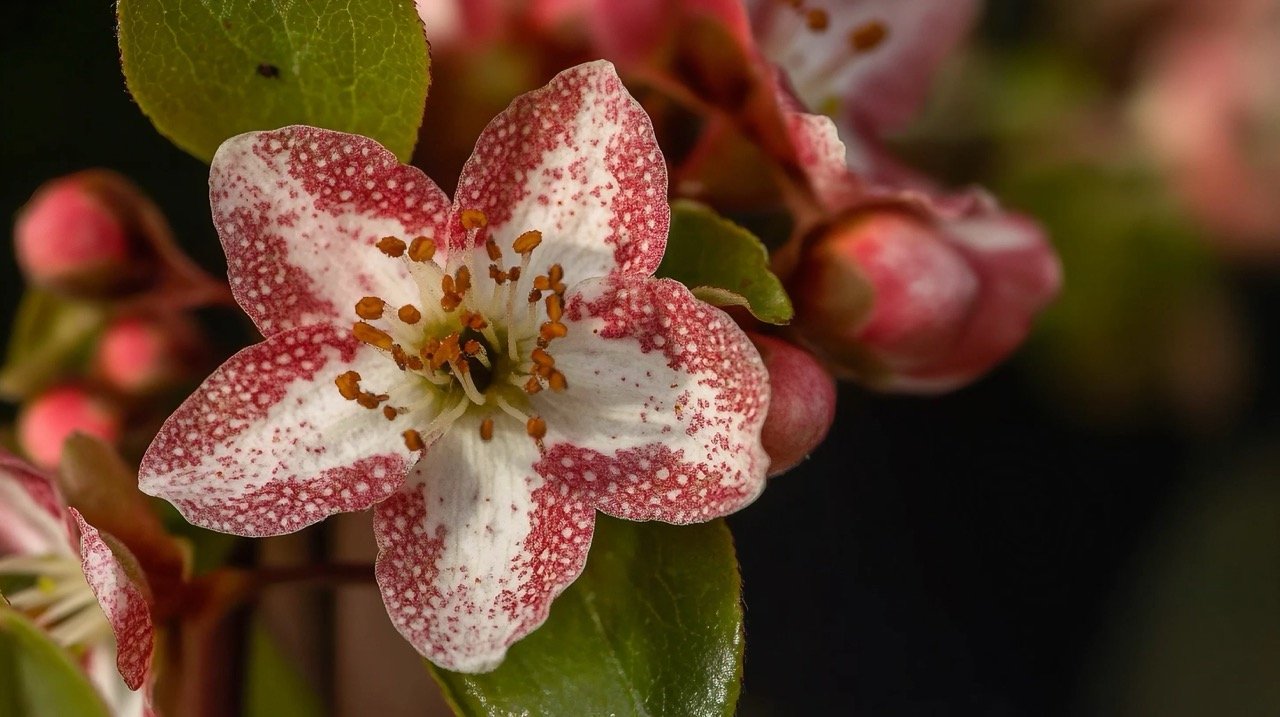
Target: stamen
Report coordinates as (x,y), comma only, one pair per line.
(473,219)
(868,36)
(509,409)
(492,248)
(532,386)
(422,249)
(409,314)
(390,413)
(816,19)
(392,247)
(348,385)
(555,307)
(552,330)
(486,429)
(557,381)
(375,337)
(462,370)
(536,428)
(542,359)
(370,307)
(370,400)
(463,280)
(413,440)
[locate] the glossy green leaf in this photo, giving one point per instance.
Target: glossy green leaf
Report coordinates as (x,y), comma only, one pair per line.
(51,335)
(38,678)
(206,70)
(722,263)
(652,627)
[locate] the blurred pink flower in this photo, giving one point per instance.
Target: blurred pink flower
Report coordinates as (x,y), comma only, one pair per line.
(485,410)
(82,594)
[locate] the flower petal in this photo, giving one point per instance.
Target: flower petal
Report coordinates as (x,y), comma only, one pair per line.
(298,210)
(268,446)
(871,61)
(476,545)
(99,663)
(32,518)
(123,601)
(578,161)
(666,402)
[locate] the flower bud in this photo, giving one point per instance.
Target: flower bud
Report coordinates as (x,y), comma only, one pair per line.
(81,234)
(140,354)
(48,420)
(905,301)
(802,402)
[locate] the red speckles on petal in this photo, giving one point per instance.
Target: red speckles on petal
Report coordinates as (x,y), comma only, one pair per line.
(123,602)
(298,210)
(577,160)
(268,446)
(476,546)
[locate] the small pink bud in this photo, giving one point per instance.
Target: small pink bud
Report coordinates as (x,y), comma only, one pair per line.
(83,234)
(802,402)
(48,420)
(909,302)
(137,355)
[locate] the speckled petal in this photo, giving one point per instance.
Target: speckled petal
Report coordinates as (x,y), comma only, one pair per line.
(33,520)
(665,405)
(476,545)
(299,210)
(578,161)
(267,445)
(123,601)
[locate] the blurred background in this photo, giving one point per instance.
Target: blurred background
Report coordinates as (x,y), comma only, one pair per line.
(1093,529)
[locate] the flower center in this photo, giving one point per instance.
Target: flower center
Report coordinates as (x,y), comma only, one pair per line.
(56,597)
(813,77)
(476,342)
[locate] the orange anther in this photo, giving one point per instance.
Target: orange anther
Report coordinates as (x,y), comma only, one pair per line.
(413,440)
(463,280)
(868,36)
(557,381)
(817,19)
(473,219)
(471,348)
(422,249)
(390,413)
(348,385)
(492,248)
(555,307)
(514,273)
(536,428)
(373,336)
(449,302)
(553,330)
(370,307)
(409,314)
(391,246)
(542,358)
(368,400)
(532,386)
(486,429)
(499,276)
(527,241)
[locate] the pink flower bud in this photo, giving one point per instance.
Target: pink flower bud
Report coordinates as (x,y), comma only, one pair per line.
(48,420)
(910,302)
(802,403)
(137,354)
(86,234)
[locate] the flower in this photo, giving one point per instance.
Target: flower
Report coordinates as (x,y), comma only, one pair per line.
(910,289)
(79,590)
(511,366)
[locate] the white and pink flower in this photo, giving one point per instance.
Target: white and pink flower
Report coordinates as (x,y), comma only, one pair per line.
(79,591)
(510,368)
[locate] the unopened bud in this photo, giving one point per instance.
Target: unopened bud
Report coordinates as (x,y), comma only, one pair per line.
(139,355)
(802,402)
(47,421)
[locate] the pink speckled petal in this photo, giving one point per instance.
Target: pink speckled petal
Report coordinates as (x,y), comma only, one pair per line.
(123,601)
(578,161)
(268,446)
(298,210)
(32,518)
(476,545)
(666,402)
(880,87)
(100,664)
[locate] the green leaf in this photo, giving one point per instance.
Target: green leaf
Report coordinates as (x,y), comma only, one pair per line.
(722,263)
(51,335)
(274,687)
(38,678)
(652,627)
(206,70)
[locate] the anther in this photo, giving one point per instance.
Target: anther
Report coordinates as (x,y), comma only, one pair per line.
(391,246)
(556,275)
(413,440)
(817,19)
(422,249)
(399,356)
(471,347)
(370,307)
(494,251)
(868,36)
(514,273)
(449,302)
(463,280)
(532,386)
(535,294)
(409,314)
(474,321)
(555,307)
(527,241)
(499,276)
(486,429)
(536,428)
(348,385)
(553,330)
(373,336)
(368,400)
(390,413)
(542,359)
(557,381)
(473,219)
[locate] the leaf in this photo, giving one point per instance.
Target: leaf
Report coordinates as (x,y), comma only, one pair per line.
(38,678)
(206,70)
(51,334)
(652,627)
(722,263)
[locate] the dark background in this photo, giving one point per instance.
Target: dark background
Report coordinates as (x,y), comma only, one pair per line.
(962,555)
